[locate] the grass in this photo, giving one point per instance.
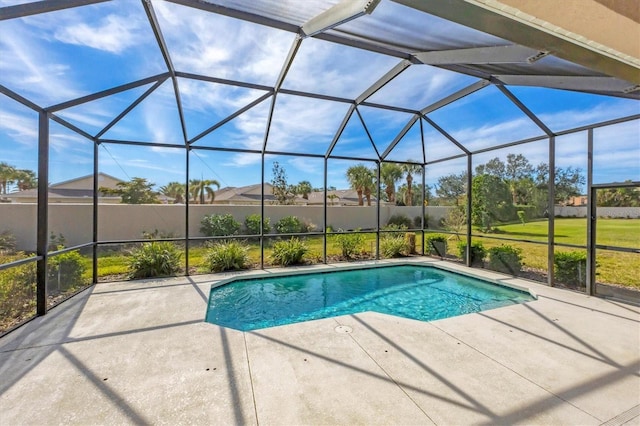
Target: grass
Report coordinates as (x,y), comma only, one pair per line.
(613,267)
(611,232)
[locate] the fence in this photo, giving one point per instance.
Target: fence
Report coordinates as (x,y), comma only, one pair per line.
(129,221)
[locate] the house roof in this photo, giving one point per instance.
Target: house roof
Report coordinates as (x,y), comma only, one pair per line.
(56,192)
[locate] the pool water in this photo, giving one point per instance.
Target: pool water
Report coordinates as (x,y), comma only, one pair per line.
(418,292)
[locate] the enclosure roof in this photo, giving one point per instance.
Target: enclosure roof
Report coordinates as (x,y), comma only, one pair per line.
(372,45)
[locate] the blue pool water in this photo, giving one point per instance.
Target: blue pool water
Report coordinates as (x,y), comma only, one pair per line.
(417,292)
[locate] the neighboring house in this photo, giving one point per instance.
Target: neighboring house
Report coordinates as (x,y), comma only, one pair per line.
(78,190)
(250,194)
(340,197)
(580,200)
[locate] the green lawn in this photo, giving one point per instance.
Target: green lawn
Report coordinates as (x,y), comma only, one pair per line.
(613,267)
(613,232)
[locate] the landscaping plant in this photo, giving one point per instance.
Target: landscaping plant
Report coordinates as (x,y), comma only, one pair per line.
(289,225)
(505,259)
(436,244)
(570,267)
(478,252)
(227,256)
(219,225)
(349,244)
(289,252)
(154,259)
(401,221)
(66,270)
(393,245)
(252,223)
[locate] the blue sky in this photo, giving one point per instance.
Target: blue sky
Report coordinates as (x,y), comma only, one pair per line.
(63,55)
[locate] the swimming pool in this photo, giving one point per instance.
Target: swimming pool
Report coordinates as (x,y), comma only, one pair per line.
(419,292)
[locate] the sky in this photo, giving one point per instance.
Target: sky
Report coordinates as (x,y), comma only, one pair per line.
(63,55)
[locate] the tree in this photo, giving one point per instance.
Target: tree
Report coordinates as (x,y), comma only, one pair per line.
(452,187)
(284,193)
(7,173)
(175,190)
(390,174)
(201,189)
(418,196)
(619,197)
(410,170)
(568,183)
(361,180)
(491,201)
(518,174)
(25,179)
(136,191)
(303,189)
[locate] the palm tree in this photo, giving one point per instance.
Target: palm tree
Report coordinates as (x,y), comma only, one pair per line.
(361,180)
(410,170)
(304,188)
(25,179)
(390,173)
(200,188)
(175,190)
(7,174)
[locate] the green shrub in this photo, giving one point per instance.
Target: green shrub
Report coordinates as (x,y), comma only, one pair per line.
(17,291)
(289,225)
(400,220)
(505,259)
(252,223)
(349,244)
(218,225)
(393,245)
(289,252)
(570,267)
(392,227)
(436,244)
(7,242)
(522,216)
(417,222)
(154,259)
(65,271)
(56,242)
(478,252)
(227,256)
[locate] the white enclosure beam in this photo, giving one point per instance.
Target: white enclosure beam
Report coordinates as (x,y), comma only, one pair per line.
(603,84)
(482,17)
(342,12)
(480,55)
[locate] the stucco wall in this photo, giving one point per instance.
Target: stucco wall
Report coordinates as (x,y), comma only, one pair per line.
(123,221)
(612,212)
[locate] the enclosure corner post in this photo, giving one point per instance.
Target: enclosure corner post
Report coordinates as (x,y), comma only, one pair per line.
(591,220)
(552,212)
(43,213)
(467,259)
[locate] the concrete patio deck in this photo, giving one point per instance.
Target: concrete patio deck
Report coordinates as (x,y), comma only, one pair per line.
(139,353)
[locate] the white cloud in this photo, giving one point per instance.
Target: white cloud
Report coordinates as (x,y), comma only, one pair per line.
(112,33)
(31,69)
(605,109)
(419,86)
(210,44)
(329,68)
(309,167)
(303,124)
(20,127)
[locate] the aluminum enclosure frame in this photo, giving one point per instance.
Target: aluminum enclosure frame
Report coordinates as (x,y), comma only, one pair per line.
(444,59)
